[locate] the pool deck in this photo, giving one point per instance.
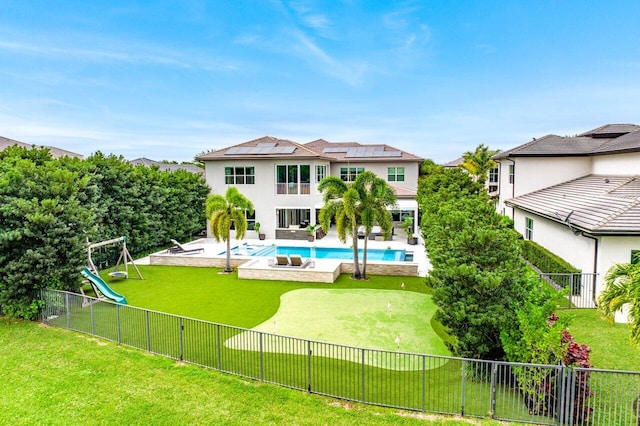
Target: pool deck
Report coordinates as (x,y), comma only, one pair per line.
(320,270)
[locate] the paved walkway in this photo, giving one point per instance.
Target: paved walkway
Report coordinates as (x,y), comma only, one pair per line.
(213,248)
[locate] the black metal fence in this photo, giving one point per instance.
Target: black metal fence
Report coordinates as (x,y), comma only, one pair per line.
(580,288)
(538,394)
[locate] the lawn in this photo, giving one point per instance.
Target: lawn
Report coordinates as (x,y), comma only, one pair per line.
(334,313)
(609,343)
(56,377)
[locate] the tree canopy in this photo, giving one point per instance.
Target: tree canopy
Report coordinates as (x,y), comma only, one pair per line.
(226,212)
(50,208)
(364,202)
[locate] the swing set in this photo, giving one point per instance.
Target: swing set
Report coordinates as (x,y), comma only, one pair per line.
(125,259)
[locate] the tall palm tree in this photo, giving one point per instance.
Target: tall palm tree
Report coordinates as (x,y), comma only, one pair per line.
(375,197)
(363,202)
(226,212)
(622,286)
(479,162)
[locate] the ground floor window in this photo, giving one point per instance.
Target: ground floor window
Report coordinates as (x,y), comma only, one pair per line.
(295,217)
(635,256)
(528,228)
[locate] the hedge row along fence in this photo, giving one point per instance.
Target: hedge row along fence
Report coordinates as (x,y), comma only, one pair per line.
(550,263)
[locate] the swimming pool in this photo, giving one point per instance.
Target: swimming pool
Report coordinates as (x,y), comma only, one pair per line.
(317,252)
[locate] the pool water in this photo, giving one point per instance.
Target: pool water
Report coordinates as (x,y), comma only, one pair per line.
(316,252)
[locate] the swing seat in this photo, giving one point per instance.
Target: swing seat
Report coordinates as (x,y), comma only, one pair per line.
(118,274)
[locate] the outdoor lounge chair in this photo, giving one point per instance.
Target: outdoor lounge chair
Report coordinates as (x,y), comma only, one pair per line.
(180,249)
(295,259)
(282,260)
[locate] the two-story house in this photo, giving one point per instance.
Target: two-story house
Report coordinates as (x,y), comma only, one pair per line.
(281,177)
(578,196)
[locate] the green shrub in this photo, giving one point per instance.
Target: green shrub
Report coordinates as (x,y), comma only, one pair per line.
(546,261)
(550,263)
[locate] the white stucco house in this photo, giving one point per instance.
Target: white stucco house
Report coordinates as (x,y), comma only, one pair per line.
(281,177)
(578,196)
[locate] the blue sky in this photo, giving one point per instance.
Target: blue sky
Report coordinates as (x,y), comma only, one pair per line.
(170,79)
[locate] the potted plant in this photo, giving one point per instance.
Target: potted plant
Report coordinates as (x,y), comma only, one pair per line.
(256,227)
(407,227)
(311,233)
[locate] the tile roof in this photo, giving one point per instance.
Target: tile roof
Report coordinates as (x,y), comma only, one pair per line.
(357,152)
(607,139)
(403,192)
(55,152)
(167,166)
(284,148)
(598,204)
(454,163)
(270,147)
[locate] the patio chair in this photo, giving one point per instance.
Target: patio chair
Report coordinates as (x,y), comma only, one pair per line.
(180,249)
(282,260)
(295,259)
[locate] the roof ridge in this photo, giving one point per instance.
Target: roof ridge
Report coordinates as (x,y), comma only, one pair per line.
(623,210)
(505,154)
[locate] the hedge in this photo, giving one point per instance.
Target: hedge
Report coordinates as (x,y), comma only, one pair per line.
(550,263)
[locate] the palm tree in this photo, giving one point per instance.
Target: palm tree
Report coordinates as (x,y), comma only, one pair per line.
(622,286)
(364,202)
(479,162)
(375,196)
(227,212)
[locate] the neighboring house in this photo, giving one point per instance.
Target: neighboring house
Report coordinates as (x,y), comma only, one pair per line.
(55,152)
(281,177)
(578,196)
(167,166)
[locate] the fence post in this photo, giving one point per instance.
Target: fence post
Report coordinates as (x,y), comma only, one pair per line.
(66,308)
(424,383)
(463,396)
(146,316)
(181,329)
(492,404)
(118,323)
(362,359)
(261,357)
(309,353)
(218,346)
(93,322)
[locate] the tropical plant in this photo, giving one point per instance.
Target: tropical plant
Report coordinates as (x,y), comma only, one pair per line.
(622,286)
(364,203)
(479,162)
(407,226)
(226,212)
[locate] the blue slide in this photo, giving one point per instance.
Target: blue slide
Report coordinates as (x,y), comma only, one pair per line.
(103,287)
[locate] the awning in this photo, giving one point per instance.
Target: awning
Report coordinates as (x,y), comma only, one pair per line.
(406,204)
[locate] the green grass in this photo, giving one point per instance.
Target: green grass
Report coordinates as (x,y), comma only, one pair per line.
(609,343)
(206,294)
(444,385)
(56,377)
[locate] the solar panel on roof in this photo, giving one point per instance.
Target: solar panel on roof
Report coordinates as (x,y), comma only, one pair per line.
(260,150)
(372,154)
(335,149)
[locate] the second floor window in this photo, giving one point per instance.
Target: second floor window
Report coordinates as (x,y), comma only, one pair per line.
(321,173)
(512,173)
(349,174)
(395,174)
(293,179)
(239,175)
(493,175)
